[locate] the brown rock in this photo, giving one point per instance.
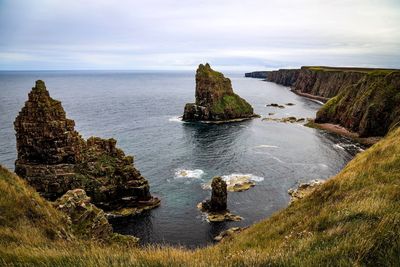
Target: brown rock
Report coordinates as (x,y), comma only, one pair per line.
(54,158)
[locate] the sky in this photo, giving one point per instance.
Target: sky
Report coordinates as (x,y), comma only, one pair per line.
(179,35)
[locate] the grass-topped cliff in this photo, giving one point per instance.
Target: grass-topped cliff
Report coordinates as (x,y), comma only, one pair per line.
(353,219)
(370,106)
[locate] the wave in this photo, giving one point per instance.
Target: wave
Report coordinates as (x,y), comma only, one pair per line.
(267,146)
(236,179)
(176,119)
(183,173)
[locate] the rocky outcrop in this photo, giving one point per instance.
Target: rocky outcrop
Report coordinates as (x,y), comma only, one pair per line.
(286,77)
(216,207)
(257,74)
(88,221)
(219,195)
(215,99)
(54,158)
(304,190)
(370,107)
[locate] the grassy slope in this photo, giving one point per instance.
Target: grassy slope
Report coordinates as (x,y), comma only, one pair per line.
(353,219)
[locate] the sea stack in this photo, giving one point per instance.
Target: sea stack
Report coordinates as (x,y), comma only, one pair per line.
(54,158)
(219,196)
(216,207)
(215,99)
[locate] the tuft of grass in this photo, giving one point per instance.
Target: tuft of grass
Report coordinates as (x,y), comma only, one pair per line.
(351,220)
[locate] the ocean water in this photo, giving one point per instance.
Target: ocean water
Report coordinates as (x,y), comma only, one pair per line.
(141,110)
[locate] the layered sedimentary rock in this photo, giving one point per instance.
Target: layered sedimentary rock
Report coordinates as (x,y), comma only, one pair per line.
(215,99)
(54,158)
(370,107)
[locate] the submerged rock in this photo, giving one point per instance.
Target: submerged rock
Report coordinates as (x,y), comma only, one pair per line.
(87,220)
(216,207)
(215,99)
(304,189)
(274,105)
(54,158)
(290,119)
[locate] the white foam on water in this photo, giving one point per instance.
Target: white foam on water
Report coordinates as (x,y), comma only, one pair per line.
(267,146)
(338,146)
(176,119)
(182,173)
(235,179)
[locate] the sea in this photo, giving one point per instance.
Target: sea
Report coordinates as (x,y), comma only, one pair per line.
(142,109)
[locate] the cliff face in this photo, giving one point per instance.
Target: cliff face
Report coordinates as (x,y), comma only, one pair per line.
(257,74)
(324,83)
(54,158)
(370,106)
(215,99)
(286,77)
(363,100)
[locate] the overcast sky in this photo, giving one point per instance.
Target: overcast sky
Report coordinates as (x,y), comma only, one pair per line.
(171,34)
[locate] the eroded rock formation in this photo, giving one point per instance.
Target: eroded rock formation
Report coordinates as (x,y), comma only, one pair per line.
(216,207)
(215,99)
(54,158)
(219,195)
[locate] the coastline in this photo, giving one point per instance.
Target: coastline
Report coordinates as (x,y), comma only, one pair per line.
(340,130)
(320,99)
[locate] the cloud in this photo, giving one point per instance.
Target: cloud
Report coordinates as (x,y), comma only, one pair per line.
(171,34)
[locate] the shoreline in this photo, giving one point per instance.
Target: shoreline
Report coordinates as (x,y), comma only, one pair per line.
(321,99)
(340,130)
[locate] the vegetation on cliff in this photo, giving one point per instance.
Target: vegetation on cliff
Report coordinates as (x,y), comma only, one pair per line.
(352,219)
(215,99)
(370,107)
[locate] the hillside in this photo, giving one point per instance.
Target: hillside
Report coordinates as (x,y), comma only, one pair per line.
(353,219)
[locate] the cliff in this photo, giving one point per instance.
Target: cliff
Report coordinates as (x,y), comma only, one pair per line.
(215,99)
(286,77)
(370,106)
(54,158)
(364,100)
(257,74)
(352,219)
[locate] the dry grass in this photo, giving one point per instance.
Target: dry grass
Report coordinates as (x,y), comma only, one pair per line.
(351,220)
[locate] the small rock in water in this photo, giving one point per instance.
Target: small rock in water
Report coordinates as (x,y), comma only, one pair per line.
(275,105)
(289,104)
(216,207)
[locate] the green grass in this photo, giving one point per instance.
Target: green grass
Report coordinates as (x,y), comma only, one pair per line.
(351,220)
(370,71)
(232,104)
